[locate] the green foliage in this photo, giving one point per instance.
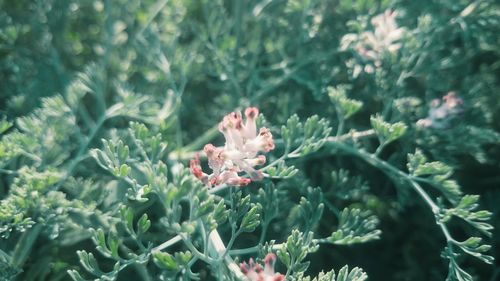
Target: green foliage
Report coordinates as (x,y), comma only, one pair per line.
(387,132)
(281,170)
(473,247)
(436,174)
(90,264)
(172,263)
(356,274)
(344,106)
(344,186)
(44,137)
(309,211)
(455,273)
(355,226)
(107,247)
(244,211)
(143,224)
(251,219)
(466,210)
(7,270)
(297,247)
(269,198)
(113,158)
(31,201)
(166,261)
(4,125)
(304,138)
(299,140)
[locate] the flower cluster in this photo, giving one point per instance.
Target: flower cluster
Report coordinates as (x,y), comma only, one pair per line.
(441,113)
(372,45)
(240,152)
(254,271)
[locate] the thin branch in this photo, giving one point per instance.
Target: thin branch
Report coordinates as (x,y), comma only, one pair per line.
(167,244)
(391,170)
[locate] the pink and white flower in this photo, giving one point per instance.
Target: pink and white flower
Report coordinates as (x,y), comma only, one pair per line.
(254,271)
(240,152)
(372,45)
(441,114)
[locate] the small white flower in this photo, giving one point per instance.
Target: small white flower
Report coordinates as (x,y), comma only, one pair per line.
(441,114)
(240,152)
(254,271)
(372,45)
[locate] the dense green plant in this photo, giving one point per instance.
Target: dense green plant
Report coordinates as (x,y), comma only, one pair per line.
(381,135)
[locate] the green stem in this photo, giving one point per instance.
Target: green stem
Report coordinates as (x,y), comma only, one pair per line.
(265,225)
(142,271)
(379,149)
(294,154)
(332,208)
(8,172)
(86,117)
(195,251)
(190,150)
(393,171)
(30,156)
(217,248)
(82,150)
(234,235)
(277,161)
(218,188)
(352,135)
(340,128)
(239,252)
(24,245)
(251,250)
(156,10)
(167,244)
